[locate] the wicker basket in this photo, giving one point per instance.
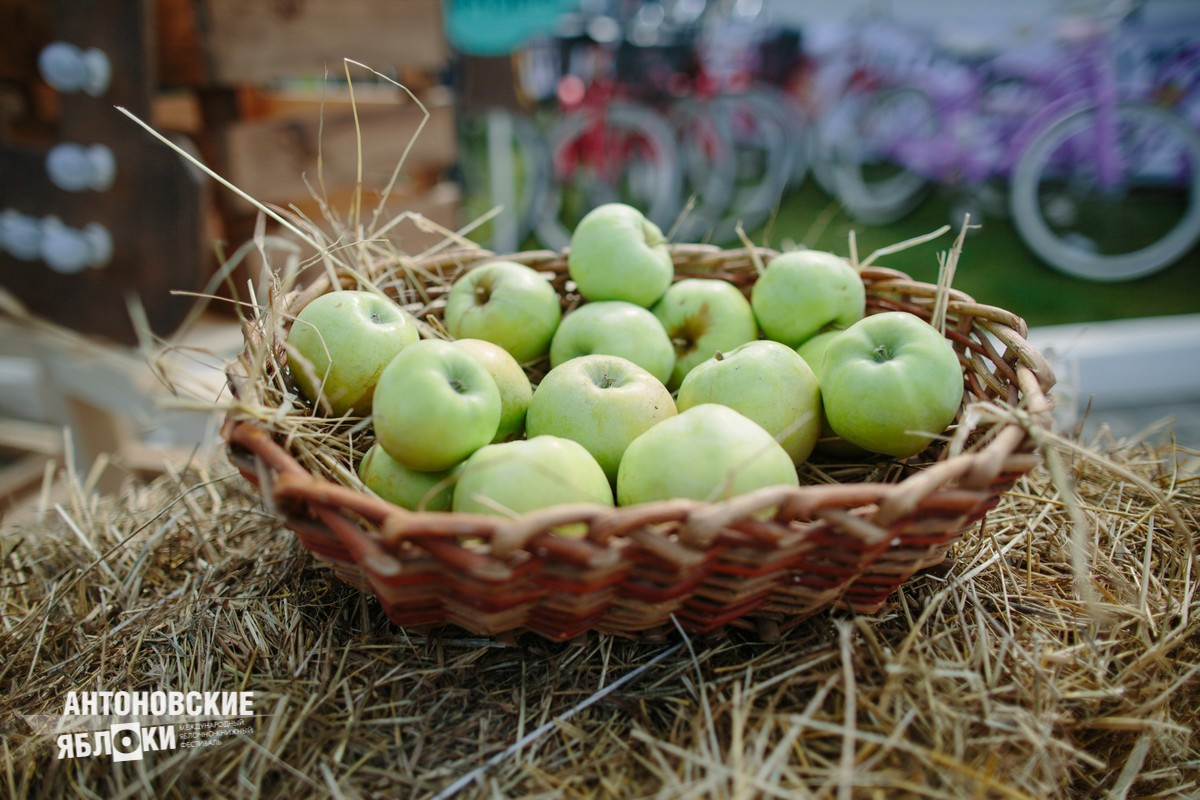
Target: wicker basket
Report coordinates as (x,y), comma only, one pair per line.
(642,569)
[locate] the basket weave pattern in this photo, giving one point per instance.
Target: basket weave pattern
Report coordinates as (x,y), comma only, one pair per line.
(763,561)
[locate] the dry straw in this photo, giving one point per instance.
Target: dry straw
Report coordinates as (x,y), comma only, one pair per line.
(1053,651)
(988,678)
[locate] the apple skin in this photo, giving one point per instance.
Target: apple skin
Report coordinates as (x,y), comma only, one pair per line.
(434,406)
(803,292)
(511,380)
(603,402)
(709,452)
(891,383)
(615,328)
(769,383)
(505,303)
(829,444)
(407,488)
(512,478)
(345,339)
(702,316)
(618,254)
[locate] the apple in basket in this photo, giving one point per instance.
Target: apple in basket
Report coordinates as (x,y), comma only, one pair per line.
(512,478)
(891,383)
(828,442)
(511,380)
(702,316)
(709,452)
(802,292)
(602,402)
(435,405)
(505,303)
(769,383)
(615,328)
(407,488)
(618,254)
(339,344)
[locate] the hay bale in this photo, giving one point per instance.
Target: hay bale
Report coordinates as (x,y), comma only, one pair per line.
(1000,676)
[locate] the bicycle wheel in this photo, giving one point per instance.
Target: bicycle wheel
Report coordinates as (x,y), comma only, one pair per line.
(626,153)
(862,143)
(709,169)
(1080,227)
(763,157)
(503,163)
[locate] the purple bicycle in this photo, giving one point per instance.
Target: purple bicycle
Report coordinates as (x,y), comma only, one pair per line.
(1100,185)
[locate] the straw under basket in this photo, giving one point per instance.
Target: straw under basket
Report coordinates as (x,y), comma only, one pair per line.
(849,540)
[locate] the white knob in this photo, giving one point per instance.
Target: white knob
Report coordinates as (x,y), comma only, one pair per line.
(20,235)
(70,250)
(70,69)
(75,168)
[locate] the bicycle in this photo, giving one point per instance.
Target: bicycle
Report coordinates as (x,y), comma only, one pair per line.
(605,147)
(1106,188)
(1081,158)
(857,64)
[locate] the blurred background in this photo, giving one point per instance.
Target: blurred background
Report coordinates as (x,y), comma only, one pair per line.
(1069,132)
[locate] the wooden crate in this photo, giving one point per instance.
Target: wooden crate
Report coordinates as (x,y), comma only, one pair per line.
(280,122)
(218,77)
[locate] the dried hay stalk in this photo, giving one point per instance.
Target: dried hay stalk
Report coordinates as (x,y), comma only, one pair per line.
(991,679)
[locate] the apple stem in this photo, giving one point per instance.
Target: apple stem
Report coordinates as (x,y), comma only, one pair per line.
(718,356)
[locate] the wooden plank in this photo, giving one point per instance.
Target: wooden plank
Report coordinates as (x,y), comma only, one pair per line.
(24,436)
(233,42)
(26,27)
(19,477)
(270,159)
(154,209)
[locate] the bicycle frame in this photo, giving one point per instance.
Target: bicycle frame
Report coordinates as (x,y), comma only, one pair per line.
(1092,76)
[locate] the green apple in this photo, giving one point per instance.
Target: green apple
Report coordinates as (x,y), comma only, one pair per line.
(709,452)
(813,349)
(505,303)
(618,254)
(512,478)
(803,292)
(340,342)
(511,380)
(769,383)
(891,383)
(702,316)
(407,488)
(828,443)
(434,406)
(603,402)
(615,328)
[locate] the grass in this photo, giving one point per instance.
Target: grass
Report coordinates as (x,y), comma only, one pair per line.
(996,269)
